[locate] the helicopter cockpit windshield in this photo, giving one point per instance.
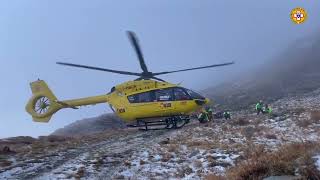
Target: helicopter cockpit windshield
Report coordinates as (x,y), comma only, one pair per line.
(194,95)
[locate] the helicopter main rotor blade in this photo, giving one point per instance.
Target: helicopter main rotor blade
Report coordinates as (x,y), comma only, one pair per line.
(189,69)
(134,41)
(99,69)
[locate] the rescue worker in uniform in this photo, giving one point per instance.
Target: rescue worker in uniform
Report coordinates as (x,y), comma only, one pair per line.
(259,107)
(203,116)
(210,114)
(267,109)
(227,115)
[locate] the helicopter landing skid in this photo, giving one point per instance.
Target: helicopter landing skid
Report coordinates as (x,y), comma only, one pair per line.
(172,122)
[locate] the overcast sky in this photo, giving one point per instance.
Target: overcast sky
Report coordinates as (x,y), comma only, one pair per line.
(173,35)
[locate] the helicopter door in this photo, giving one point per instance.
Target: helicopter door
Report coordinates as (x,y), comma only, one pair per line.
(182,101)
(164,98)
(143,104)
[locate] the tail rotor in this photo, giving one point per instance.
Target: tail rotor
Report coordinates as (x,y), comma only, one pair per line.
(42,105)
(43,102)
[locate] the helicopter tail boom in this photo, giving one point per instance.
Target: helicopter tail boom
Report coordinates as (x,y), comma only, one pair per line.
(43,103)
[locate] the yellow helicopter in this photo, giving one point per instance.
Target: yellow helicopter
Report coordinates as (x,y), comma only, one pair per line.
(144,102)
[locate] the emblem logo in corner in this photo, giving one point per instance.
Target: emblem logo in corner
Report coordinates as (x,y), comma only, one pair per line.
(298,15)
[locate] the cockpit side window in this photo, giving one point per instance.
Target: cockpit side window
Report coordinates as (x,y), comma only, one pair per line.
(167,94)
(194,95)
(164,94)
(180,94)
(142,97)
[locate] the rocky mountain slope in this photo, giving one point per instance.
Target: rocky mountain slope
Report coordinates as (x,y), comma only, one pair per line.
(246,147)
(91,125)
(294,71)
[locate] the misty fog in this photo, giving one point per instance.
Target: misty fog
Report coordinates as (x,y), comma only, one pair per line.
(173,35)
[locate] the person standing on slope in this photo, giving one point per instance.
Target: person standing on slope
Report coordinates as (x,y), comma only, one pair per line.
(267,109)
(210,113)
(227,115)
(259,107)
(203,116)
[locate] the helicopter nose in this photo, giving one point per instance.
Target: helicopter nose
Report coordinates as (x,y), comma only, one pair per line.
(202,102)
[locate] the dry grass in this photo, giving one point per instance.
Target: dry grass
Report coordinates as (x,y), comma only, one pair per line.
(198,164)
(241,121)
(298,110)
(142,162)
(315,116)
(210,158)
(187,170)
(5,163)
(182,172)
(167,141)
(173,147)
(285,161)
(214,177)
(248,132)
(166,157)
(271,136)
(203,144)
(127,163)
(261,130)
(98,163)
(257,122)
(80,173)
(225,127)
(304,123)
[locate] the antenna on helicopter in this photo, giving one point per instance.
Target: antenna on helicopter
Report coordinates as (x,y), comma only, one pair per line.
(145,74)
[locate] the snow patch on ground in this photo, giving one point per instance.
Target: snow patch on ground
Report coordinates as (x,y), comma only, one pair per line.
(317,161)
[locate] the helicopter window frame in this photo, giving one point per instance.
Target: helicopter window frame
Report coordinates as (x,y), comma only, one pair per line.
(186,94)
(194,95)
(136,98)
(170,98)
